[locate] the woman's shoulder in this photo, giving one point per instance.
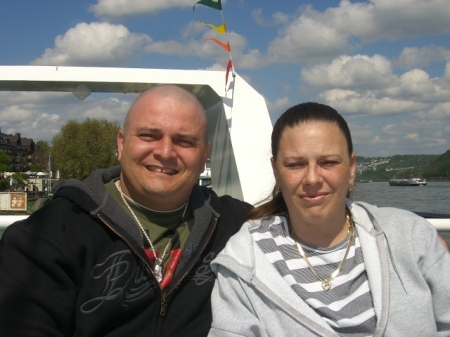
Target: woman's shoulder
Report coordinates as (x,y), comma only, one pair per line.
(244,237)
(377,212)
(390,219)
(264,224)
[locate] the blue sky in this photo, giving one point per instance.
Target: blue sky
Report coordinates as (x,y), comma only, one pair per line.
(383,64)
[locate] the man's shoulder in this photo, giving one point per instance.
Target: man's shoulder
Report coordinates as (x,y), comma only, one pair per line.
(229,201)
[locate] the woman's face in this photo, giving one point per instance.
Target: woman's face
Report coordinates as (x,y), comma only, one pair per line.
(314,172)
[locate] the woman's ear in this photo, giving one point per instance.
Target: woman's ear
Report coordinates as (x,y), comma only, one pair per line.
(352,169)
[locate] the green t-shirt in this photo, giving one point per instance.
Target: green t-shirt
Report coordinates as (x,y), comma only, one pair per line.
(160,226)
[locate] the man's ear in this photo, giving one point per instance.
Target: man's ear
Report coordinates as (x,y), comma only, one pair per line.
(207,153)
(120,140)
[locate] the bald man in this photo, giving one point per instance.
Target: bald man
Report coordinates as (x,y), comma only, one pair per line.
(125,252)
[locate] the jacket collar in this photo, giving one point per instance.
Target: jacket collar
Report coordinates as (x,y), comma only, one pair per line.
(244,258)
(93,198)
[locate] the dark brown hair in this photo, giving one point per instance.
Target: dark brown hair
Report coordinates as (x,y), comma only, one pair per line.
(298,114)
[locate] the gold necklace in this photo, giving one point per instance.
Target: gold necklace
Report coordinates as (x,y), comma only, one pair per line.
(326,283)
(157,270)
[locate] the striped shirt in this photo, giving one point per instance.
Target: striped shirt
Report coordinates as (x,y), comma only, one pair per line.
(347,307)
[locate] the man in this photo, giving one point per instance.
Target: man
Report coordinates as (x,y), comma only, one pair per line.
(125,252)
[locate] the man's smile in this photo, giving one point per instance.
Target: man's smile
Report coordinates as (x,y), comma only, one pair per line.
(162,170)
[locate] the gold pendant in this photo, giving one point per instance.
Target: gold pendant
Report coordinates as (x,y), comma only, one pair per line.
(326,285)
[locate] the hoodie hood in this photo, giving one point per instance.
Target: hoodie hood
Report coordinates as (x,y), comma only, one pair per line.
(91,196)
(241,247)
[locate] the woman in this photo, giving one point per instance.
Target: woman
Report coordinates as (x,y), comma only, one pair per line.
(311,262)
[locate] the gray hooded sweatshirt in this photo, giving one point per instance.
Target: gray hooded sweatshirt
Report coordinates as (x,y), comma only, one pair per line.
(407,267)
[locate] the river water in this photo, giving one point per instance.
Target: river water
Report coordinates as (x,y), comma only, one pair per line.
(432,198)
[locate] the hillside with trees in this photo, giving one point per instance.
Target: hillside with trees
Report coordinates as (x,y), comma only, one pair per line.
(403,166)
(439,168)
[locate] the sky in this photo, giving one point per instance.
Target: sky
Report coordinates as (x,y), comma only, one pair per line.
(383,64)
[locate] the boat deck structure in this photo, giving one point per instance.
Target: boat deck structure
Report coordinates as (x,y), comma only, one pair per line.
(239,124)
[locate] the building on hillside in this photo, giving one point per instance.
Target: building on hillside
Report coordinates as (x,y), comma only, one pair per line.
(22,152)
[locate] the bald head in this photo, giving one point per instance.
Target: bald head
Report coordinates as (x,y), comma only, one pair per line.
(165,92)
(163,147)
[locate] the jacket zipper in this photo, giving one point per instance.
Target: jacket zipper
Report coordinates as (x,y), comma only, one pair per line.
(129,245)
(165,295)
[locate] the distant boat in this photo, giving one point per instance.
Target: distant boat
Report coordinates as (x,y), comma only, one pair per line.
(420,181)
(408,182)
(365,181)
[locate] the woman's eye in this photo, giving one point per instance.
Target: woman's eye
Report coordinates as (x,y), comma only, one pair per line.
(294,165)
(329,163)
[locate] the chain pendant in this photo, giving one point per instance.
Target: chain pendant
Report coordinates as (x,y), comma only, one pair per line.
(326,285)
(157,269)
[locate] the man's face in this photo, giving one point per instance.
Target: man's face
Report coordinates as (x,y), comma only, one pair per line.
(162,150)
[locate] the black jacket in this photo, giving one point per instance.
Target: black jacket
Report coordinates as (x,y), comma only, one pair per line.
(76,267)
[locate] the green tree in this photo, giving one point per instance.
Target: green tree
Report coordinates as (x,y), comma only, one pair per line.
(4,166)
(20,178)
(4,184)
(42,143)
(439,168)
(4,161)
(36,168)
(80,148)
(42,159)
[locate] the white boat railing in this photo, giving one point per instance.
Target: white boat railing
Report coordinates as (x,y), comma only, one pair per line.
(441,224)
(6,220)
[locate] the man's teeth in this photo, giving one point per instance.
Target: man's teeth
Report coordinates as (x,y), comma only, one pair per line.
(161,170)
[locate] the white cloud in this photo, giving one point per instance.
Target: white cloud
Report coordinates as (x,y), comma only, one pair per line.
(409,18)
(364,138)
(350,72)
(412,136)
(447,71)
(208,49)
(216,67)
(438,111)
(380,19)
(276,18)
(416,82)
(413,56)
(407,137)
(40,115)
(123,8)
(194,28)
(366,104)
(94,44)
(314,35)
(413,126)
(366,86)
(279,104)
(306,40)
(30,123)
(44,120)
(416,85)
(14,115)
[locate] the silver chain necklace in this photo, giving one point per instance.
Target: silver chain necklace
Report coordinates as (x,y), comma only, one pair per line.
(157,270)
